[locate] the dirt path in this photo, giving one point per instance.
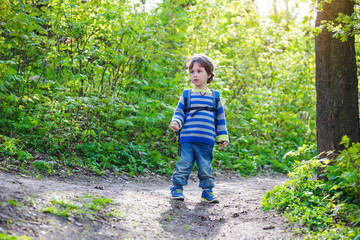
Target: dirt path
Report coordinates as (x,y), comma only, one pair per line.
(140,209)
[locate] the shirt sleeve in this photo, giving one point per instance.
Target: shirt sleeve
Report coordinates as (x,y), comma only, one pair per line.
(221,133)
(179,115)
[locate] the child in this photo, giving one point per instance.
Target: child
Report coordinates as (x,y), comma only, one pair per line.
(201,123)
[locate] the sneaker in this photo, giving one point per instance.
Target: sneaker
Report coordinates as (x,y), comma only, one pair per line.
(177,193)
(208,196)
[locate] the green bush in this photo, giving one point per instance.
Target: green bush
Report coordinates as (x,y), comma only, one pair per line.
(11,148)
(327,208)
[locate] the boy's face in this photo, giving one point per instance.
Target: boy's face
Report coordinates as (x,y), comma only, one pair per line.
(199,76)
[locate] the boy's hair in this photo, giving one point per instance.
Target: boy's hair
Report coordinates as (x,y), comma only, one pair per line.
(204,62)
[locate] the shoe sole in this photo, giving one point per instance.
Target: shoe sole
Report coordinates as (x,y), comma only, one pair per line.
(178,198)
(212,201)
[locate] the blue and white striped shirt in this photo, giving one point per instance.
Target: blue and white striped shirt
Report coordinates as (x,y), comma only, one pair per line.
(200,128)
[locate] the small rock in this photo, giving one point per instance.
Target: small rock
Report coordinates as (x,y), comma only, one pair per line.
(268,228)
(243,212)
(78,224)
(16,182)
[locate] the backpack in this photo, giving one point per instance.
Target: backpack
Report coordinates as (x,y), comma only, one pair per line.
(188,108)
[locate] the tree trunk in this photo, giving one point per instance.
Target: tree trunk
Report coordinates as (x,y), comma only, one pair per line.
(275,8)
(336,82)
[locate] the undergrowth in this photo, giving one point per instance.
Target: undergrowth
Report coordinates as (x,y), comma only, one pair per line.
(326,208)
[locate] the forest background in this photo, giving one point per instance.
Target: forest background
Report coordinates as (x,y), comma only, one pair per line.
(93,85)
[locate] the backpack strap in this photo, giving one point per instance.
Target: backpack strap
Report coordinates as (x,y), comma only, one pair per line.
(188,108)
(186,96)
(216,100)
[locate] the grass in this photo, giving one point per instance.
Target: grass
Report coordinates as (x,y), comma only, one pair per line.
(86,205)
(4,236)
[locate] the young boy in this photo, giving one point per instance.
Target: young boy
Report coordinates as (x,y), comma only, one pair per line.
(201,120)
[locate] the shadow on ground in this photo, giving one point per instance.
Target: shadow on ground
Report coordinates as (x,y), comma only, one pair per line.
(194,222)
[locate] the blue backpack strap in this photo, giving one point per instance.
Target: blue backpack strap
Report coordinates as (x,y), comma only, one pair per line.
(216,99)
(186,96)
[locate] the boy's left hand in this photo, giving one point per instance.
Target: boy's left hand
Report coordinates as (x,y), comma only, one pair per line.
(223,144)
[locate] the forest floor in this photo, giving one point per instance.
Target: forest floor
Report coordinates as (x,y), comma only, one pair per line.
(77,207)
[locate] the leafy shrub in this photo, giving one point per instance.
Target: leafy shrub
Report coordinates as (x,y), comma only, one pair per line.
(327,208)
(11,147)
(42,166)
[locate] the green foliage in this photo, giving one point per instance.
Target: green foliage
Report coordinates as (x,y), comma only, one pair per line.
(343,26)
(42,166)
(94,85)
(4,236)
(10,147)
(327,208)
(13,203)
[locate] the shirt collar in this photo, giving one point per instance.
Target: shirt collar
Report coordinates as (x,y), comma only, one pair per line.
(201,90)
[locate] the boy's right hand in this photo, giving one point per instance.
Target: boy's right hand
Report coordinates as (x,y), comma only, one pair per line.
(175,125)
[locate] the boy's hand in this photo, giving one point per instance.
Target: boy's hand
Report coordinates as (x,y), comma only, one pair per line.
(223,144)
(175,125)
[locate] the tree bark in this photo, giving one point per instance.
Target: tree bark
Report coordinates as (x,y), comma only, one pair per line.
(275,8)
(336,82)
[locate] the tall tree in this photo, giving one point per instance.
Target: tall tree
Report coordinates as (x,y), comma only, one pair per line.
(336,81)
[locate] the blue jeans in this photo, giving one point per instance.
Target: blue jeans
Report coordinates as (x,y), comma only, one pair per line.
(203,155)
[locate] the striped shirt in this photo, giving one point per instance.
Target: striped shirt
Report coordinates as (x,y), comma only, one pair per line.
(200,128)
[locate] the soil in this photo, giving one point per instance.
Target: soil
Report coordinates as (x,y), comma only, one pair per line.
(140,208)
